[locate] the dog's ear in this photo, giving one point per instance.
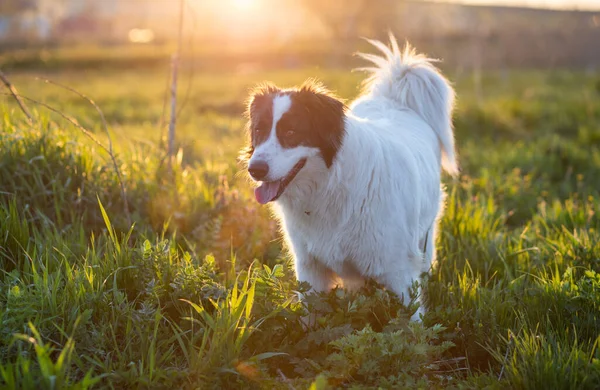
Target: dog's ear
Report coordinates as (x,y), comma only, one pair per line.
(326,112)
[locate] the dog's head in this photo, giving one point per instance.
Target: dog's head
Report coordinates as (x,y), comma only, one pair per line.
(291,130)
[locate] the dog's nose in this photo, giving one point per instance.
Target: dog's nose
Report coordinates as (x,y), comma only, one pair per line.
(258,170)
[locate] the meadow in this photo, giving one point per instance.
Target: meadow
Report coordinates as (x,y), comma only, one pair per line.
(196,291)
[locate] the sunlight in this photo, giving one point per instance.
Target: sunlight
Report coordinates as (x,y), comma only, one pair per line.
(244,4)
(247,22)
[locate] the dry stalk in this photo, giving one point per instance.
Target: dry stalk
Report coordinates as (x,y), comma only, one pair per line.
(175,69)
(15,94)
(89,135)
(110,145)
(172,123)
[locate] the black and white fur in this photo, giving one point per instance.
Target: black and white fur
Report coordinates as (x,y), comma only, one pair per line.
(357,189)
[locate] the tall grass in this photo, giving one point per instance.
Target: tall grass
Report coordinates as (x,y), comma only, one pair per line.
(199,293)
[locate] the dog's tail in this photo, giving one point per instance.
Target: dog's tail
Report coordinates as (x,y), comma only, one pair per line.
(414,82)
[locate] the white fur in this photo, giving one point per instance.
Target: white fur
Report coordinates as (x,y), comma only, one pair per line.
(281,104)
(280,160)
(368,214)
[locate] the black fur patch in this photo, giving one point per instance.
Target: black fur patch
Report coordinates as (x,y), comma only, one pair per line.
(315,119)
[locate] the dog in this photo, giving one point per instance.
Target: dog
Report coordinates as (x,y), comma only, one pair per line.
(357,189)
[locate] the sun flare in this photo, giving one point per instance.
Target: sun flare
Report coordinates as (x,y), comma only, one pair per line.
(244,4)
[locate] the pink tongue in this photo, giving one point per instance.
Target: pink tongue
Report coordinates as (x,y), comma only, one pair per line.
(267,191)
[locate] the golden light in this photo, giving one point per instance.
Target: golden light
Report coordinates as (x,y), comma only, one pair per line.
(251,23)
(244,4)
(141,35)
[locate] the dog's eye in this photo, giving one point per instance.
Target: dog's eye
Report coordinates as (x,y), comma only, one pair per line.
(290,133)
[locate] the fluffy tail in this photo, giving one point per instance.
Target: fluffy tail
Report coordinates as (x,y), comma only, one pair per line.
(411,80)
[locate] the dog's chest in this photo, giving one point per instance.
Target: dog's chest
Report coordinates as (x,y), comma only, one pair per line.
(327,236)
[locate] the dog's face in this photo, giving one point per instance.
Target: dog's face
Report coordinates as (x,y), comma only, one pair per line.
(289,130)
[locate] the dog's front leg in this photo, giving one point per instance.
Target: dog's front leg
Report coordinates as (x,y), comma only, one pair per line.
(400,280)
(320,278)
(307,267)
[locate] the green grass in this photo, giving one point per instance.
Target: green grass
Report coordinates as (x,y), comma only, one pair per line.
(199,293)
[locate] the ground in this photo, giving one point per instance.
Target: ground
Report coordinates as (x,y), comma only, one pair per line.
(194,289)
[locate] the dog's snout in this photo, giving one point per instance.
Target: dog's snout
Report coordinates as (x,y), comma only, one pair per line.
(258,170)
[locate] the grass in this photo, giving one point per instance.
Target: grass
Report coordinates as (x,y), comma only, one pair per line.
(199,292)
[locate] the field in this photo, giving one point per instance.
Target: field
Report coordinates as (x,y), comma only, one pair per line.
(197,292)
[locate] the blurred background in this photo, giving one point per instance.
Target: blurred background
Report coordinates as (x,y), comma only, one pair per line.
(247,34)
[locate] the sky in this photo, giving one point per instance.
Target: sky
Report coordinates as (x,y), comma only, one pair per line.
(558,4)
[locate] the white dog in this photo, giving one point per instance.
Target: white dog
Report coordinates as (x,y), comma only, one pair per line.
(357,189)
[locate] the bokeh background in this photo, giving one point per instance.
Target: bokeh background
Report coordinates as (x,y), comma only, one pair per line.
(264,33)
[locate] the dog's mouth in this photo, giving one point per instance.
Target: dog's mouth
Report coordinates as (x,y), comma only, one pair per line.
(270,191)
